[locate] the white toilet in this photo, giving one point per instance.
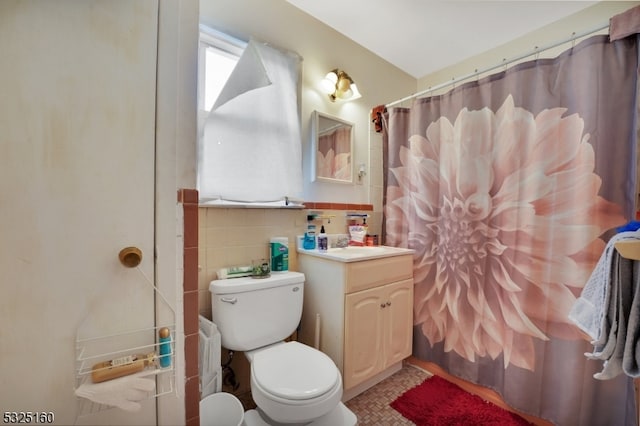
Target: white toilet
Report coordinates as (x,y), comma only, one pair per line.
(291,383)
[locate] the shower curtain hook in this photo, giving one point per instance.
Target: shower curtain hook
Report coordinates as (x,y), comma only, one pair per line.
(573,39)
(537,52)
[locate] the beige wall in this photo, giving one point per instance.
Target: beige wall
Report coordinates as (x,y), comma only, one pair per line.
(323,49)
(236,237)
(588,19)
(278,22)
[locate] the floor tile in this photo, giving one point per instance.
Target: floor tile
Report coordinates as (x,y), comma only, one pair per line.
(372,406)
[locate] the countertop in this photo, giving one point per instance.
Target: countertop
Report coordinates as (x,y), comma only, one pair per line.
(356,253)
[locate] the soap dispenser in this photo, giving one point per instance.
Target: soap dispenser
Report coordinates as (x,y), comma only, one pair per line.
(323,241)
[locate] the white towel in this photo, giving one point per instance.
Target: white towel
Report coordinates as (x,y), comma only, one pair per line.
(124,392)
(209,367)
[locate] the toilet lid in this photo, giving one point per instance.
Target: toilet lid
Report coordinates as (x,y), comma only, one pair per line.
(294,371)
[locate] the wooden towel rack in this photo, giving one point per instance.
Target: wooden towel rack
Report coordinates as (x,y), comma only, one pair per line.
(629,249)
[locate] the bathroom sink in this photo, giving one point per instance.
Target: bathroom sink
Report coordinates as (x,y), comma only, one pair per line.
(355,253)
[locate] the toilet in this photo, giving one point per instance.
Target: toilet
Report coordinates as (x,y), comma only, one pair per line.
(291,383)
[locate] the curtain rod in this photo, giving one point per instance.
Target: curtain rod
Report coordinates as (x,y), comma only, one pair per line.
(505,62)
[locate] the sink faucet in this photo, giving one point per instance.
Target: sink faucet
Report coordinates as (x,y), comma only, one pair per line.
(342,241)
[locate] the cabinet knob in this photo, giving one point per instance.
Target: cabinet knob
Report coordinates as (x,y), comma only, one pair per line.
(388,303)
(382,305)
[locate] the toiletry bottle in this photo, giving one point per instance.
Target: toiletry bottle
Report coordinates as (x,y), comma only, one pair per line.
(122,366)
(164,347)
(310,237)
(323,241)
(279,253)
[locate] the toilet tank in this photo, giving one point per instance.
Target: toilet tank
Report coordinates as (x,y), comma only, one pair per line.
(255,312)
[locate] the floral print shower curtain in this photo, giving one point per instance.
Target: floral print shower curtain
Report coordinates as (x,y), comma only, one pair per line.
(508,189)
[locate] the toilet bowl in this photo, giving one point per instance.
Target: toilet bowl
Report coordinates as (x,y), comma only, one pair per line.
(292,382)
(340,415)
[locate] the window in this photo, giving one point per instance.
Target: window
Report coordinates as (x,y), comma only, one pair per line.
(249,148)
(218,54)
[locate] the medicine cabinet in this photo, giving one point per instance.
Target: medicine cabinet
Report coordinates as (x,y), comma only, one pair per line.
(331,149)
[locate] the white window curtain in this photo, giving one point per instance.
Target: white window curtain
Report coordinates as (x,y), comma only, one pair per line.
(251,146)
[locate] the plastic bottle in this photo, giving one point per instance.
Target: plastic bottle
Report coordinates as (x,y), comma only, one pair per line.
(165,347)
(279,250)
(323,241)
(309,242)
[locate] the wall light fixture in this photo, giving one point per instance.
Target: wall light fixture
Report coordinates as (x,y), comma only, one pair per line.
(338,85)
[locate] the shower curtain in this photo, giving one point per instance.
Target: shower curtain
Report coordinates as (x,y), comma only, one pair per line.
(508,189)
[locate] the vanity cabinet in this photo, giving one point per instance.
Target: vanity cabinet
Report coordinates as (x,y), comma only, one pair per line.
(360,313)
(378,325)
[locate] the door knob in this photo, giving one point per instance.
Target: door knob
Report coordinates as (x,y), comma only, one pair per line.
(130,256)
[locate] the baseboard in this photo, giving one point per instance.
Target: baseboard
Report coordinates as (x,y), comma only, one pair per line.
(357,390)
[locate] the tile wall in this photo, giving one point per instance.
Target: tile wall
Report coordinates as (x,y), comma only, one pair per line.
(189,200)
(234,237)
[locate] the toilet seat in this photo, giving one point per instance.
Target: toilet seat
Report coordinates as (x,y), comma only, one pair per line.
(294,371)
(308,379)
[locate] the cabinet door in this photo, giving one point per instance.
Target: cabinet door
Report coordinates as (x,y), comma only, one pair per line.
(398,321)
(364,331)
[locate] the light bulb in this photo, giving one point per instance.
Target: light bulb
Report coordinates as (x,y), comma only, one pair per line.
(329,82)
